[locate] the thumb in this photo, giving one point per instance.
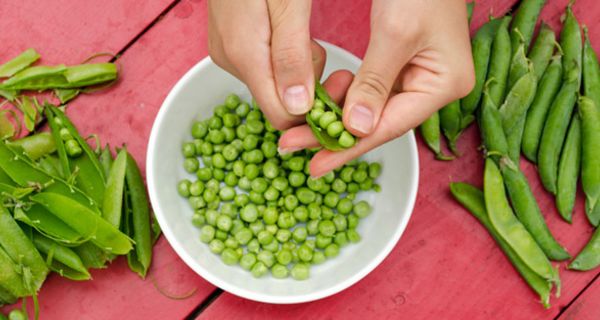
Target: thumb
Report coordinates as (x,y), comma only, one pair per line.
(291,54)
(373,83)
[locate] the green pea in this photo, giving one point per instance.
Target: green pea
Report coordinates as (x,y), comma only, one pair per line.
(353,236)
(266,257)
(318,257)
(197,202)
(188,149)
(249,213)
(283,235)
(216,246)
(198,220)
(362,209)
(256,197)
(346,174)
(247,261)
(335,129)
(238,168)
(346,139)
(341,239)
(326,119)
(241,199)
(251,171)
(286,220)
(271,194)
(290,202)
(312,227)
(204,174)
(305,253)
(296,179)
(338,185)
(244,183)
(273,246)
(253,246)
(207,233)
(301,213)
(315,184)
(353,221)
(299,234)
(242,109)
(345,206)
(196,188)
(296,163)
(255,126)
(214,123)
(326,213)
(332,250)
(183,188)
(331,199)
(327,228)
(199,129)
(284,257)
(231,179)
(229,209)
(259,185)
(231,242)
(229,256)
(259,269)
(340,222)
(206,149)
(244,235)
(300,271)
(254,115)
(257,226)
(279,271)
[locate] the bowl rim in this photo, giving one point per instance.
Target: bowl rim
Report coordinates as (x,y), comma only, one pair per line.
(240,291)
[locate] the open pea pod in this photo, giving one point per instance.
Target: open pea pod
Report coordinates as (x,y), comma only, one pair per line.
(40,219)
(61,77)
(37,145)
(61,259)
(12,285)
(18,63)
(89,173)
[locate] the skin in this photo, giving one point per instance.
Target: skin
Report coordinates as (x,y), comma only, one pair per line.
(409,71)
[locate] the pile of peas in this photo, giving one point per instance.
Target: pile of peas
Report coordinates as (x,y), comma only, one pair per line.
(262,210)
(331,122)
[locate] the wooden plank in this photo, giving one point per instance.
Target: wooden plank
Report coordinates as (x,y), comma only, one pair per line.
(586,306)
(445,266)
(122,114)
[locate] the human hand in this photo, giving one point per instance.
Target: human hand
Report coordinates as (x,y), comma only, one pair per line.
(418,60)
(267,45)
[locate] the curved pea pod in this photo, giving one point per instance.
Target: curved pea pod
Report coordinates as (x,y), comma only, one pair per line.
(514,139)
(66,95)
(518,101)
(536,115)
(481,46)
(139,223)
(431,133)
(590,162)
(50,165)
(18,63)
(542,50)
(472,199)
(20,249)
(589,257)
(37,78)
(60,259)
(86,222)
(568,170)
(11,282)
(90,175)
(90,74)
(509,227)
(524,20)
(519,66)
(591,71)
(450,121)
(4,178)
(113,197)
(490,123)
(555,130)
(37,145)
(571,44)
(500,62)
(92,256)
(106,160)
(40,219)
(528,212)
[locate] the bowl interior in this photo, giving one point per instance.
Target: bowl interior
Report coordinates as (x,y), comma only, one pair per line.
(194,97)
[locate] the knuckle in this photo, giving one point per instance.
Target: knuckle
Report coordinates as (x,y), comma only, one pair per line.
(289,57)
(397,29)
(373,84)
(462,82)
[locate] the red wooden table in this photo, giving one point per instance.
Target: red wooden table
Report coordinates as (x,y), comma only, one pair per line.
(444,267)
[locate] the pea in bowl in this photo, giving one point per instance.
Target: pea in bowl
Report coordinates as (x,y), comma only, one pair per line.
(194,98)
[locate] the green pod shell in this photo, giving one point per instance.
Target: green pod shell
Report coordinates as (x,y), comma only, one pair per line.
(590,163)
(591,71)
(431,133)
(542,50)
(525,20)
(571,44)
(450,122)
(18,63)
(568,170)
(61,260)
(500,62)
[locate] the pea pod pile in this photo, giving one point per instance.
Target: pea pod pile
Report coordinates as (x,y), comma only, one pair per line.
(260,209)
(540,98)
(65,211)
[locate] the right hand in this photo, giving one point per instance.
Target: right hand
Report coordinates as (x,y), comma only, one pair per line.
(267,45)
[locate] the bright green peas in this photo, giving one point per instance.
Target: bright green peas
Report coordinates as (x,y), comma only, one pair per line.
(329,177)
(315,114)
(286,220)
(218,161)
(250,142)
(231,179)
(335,129)
(209,195)
(315,184)
(198,220)
(299,234)
(221,110)
(256,197)
(255,126)
(305,253)
(340,222)
(270,216)
(196,188)
(218,174)
(216,246)
(301,213)
(255,156)
(244,235)
(238,144)
(346,174)
(218,148)
(350,196)
(213,205)
(290,202)
(318,104)
(188,149)
(253,246)
(288,246)
(332,250)
(198,146)
(239,168)
(322,241)
(296,179)
(214,123)
(346,139)
(314,211)
(353,221)
(280,183)
(359,176)
(353,236)
(247,261)
(73,148)
(319,199)
(362,209)
(327,228)
(241,199)
(244,183)
(279,271)
(199,129)
(272,229)
(241,131)
(212,184)
(296,163)
(231,120)
(269,149)
(345,206)
(366,185)
(266,257)
(374,170)
(227,193)
(271,137)
(305,195)
(229,256)
(216,136)
(254,115)
(327,118)
(259,269)
(197,202)
(271,194)
(229,209)
(300,271)
(353,187)
(326,213)
(256,227)
(207,233)
(251,171)
(249,213)
(273,246)
(264,237)
(228,133)
(284,257)
(338,185)
(232,243)
(318,257)
(331,199)
(183,188)
(242,109)
(206,149)
(232,101)
(191,164)
(341,239)
(283,235)
(259,185)
(312,227)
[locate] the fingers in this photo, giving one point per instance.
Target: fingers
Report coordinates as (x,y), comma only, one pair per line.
(412,107)
(319,56)
(301,137)
(291,54)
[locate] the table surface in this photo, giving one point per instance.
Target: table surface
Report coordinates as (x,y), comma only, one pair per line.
(445,266)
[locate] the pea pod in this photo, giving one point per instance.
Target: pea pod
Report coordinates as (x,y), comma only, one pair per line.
(481,47)
(106,160)
(60,259)
(11,282)
(514,139)
(500,62)
(472,199)
(555,130)
(591,71)
(61,77)
(590,163)
(519,66)
(20,249)
(450,121)
(18,63)
(37,145)
(86,222)
(66,95)
(431,133)
(570,42)
(536,116)
(490,122)
(510,229)
(49,225)
(568,170)
(92,256)
(50,165)
(113,197)
(589,257)
(140,218)
(524,20)
(8,94)
(518,101)
(6,297)
(542,50)
(90,74)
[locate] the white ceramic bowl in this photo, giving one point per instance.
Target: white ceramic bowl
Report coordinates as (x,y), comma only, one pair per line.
(194,96)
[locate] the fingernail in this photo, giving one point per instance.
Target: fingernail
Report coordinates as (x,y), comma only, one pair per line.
(284,151)
(296,99)
(361,119)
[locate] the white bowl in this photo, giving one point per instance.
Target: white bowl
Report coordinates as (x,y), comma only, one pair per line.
(194,96)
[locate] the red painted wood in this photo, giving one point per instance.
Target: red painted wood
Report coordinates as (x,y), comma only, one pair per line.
(586,306)
(445,266)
